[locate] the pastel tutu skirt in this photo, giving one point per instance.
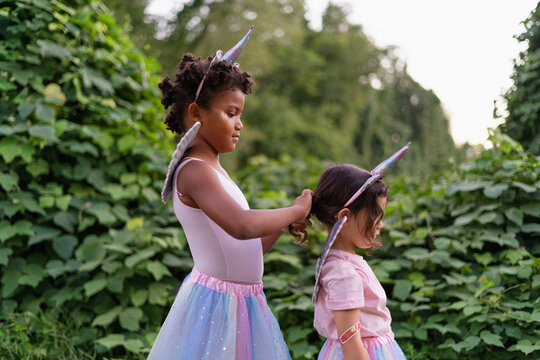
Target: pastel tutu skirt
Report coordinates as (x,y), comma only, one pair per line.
(378,348)
(216,319)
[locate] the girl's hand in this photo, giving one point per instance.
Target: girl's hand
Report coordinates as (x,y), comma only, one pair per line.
(303,202)
(298,232)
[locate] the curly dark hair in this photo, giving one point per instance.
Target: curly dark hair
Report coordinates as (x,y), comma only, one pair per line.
(336,186)
(222,76)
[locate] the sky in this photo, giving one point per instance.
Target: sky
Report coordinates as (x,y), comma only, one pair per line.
(463,50)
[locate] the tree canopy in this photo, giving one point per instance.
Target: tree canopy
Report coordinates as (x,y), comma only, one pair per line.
(523,98)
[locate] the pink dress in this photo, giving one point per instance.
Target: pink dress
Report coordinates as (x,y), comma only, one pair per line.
(220,311)
(347,282)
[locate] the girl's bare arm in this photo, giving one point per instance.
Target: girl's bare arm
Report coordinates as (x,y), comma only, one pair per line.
(354,348)
(201,183)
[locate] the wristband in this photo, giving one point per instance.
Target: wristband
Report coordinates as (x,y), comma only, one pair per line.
(347,335)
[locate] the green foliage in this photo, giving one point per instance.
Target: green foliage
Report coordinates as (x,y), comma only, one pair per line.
(465,263)
(460,257)
(523,102)
(81,224)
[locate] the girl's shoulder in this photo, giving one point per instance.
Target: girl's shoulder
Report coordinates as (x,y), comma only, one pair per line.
(340,263)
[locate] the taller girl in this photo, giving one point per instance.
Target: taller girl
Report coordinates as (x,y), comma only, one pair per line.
(220,311)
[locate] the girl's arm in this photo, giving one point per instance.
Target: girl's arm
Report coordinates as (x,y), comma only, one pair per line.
(269,240)
(354,348)
(202,185)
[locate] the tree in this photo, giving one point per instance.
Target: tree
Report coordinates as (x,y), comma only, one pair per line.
(523,102)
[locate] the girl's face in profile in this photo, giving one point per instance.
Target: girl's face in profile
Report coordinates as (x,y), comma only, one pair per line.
(221,123)
(353,233)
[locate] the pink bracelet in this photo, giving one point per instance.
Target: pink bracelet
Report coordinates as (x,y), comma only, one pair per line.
(347,335)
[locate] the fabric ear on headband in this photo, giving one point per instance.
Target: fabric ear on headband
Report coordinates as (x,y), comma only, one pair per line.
(324,253)
(177,157)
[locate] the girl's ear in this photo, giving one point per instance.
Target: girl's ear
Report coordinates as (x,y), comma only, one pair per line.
(343,212)
(194,112)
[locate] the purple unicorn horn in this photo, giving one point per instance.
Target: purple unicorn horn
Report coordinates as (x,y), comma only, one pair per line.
(380,172)
(233,54)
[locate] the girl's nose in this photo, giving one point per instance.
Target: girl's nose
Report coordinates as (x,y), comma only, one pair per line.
(239,124)
(380,225)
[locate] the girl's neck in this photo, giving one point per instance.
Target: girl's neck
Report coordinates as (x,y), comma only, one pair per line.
(211,158)
(347,247)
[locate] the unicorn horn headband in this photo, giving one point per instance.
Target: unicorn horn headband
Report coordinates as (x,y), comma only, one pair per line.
(376,174)
(186,140)
(380,172)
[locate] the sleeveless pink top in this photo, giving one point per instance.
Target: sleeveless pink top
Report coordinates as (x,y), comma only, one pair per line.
(214,251)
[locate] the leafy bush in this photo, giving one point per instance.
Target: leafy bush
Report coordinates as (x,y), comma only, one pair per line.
(464,259)
(460,260)
(81,225)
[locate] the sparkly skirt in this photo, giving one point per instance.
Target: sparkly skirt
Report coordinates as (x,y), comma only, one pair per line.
(216,319)
(378,348)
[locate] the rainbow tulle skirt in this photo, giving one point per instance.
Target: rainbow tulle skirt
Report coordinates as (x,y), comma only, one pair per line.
(378,348)
(215,319)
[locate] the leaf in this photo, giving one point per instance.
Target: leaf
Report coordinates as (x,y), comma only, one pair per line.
(112,340)
(64,245)
(42,233)
(115,284)
(157,269)
(531,228)
(107,318)
(495,191)
(416,253)
(487,217)
(524,187)
(7,181)
(133,260)
(65,221)
(102,211)
(51,49)
(9,149)
(138,298)
(291,260)
(158,293)
(532,209)
(464,219)
(6,231)
(94,286)
(4,255)
(38,168)
(491,339)
(25,109)
(130,317)
(515,215)
(296,333)
(525,346)
(91,250)
(535,281)
(63,202)
(32,275)
(43,132)
(10,279)
(133,345)
(402,289)
(55,268)
(46,113)
(465,186)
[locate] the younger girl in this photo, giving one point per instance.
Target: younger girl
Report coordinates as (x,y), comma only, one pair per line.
(220,311)
(350,303)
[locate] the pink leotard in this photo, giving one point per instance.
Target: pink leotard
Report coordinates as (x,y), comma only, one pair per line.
(214,251)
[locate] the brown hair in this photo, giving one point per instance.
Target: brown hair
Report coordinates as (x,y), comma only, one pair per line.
(223,76)
(336,186)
